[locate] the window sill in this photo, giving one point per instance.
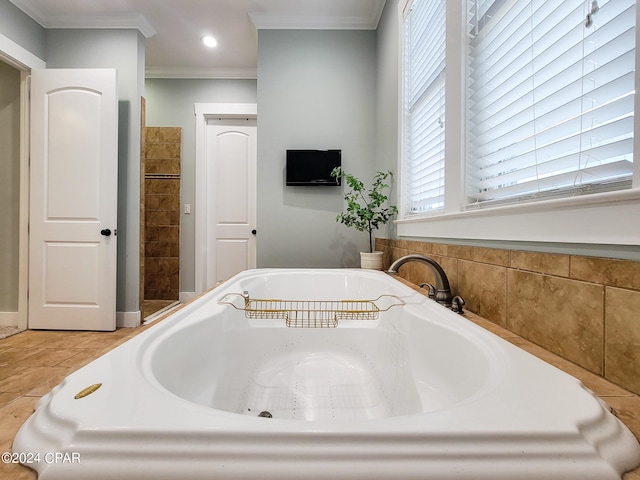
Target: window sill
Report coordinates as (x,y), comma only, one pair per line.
(606,218)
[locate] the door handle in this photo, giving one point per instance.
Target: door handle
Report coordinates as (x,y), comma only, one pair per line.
(106,232)
(253,232)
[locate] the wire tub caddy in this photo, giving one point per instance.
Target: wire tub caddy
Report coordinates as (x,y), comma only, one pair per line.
(311,313)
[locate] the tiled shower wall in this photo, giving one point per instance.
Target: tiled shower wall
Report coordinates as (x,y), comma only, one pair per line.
(584,309)
(162,213)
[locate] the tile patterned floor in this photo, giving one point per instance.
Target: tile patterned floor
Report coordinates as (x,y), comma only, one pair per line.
(150,307)
(33,362)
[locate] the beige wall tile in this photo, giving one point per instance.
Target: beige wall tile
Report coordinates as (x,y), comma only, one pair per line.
(595,383)
(162,165)
(165,186)
(562,315)
(484,290)
(152,135)
(379,245)
(418,247)
(455,251)
(461,252)
(169,134)
(493,256)
(162,218)
(440,249)
(606,271)
(550,263)
(622,352)
(162,150)
(163,202)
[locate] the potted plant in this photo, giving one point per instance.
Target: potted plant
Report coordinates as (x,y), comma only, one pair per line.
(365,211)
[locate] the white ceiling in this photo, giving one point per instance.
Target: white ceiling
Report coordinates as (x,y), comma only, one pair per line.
(174,27)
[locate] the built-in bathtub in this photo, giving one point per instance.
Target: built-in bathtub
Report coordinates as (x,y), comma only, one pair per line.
(410,391)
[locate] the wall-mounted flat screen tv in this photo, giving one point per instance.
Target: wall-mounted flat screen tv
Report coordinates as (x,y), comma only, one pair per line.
(312,167)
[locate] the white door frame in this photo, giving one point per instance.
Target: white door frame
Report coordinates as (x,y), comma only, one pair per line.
(25,61)
(203,112)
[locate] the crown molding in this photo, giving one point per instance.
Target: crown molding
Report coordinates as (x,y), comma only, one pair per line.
(132,20)
(208,73)
(17,56)
(270,21)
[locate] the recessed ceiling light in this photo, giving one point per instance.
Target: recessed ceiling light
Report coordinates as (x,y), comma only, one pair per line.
(209,41)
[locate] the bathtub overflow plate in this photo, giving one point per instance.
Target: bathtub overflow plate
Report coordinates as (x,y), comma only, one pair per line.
(87,391)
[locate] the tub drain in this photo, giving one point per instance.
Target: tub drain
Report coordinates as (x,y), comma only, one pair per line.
(265,414)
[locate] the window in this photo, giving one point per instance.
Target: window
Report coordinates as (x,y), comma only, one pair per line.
(550,99)
(549,105)
(424,107)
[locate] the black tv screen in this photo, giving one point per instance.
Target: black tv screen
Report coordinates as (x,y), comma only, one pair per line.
(312,167)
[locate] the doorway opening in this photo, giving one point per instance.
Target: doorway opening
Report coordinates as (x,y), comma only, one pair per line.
(161,229)
(10,205)
(226,191)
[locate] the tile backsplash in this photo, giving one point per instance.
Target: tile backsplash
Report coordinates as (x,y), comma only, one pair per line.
(585,309)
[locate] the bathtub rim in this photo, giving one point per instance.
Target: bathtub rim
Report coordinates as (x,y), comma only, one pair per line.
(594,433)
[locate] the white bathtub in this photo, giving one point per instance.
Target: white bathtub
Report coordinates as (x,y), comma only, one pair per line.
(419,392)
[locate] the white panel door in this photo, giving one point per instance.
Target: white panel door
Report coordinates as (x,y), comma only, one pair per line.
(231,198)
(73,199)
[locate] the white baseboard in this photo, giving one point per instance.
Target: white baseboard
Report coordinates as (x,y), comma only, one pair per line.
(9,319)
(184,297)
(128,319)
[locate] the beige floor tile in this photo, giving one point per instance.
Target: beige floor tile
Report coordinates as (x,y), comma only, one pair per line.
(15,355)
(64,340)
(6,398)
(80,359)
(30,338)
(33,380)
(9,370)
(16,472)
(56,375)
(97,342)
(635,475)
(49,357)
(12,416)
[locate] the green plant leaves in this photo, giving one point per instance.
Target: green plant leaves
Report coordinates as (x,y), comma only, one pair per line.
(365,211)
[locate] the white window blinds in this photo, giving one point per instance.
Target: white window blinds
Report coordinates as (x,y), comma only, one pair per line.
(424,107)
(551,98)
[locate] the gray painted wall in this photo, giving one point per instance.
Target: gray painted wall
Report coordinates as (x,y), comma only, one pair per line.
(9,186)
(123,50)
(387,97)
(316,89)
(170,103)
(21,29)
